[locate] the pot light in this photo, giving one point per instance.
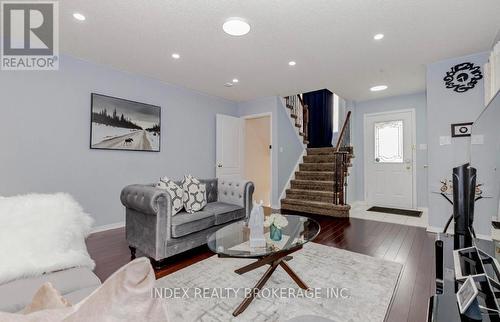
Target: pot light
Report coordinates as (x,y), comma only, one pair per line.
(378,88)
(292,63)
(79,16)
(176,56)
(236,27)
(378,36)
(235,80)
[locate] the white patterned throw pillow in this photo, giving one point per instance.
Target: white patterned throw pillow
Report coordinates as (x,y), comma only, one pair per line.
(176,193)
(195,194)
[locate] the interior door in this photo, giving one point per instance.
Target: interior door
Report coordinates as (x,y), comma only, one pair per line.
(389,159)
(229,146)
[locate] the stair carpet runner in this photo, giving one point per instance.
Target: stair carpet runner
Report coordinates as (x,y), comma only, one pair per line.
(312,189)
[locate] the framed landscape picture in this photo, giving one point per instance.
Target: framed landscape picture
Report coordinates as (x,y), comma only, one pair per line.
(119,124)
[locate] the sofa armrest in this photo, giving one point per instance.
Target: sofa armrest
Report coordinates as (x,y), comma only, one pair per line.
(146,199)
(236,192)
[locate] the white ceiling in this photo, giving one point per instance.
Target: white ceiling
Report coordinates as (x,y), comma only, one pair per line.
(331,41)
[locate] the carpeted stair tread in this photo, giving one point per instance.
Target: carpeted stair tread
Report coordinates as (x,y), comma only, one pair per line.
(312,185)
(317,166)
(315,207)
(312,195)
(319,158)
(314,175)
(328,150)
(319,151)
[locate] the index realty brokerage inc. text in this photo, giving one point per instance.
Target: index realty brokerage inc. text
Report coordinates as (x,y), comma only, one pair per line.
(224,293)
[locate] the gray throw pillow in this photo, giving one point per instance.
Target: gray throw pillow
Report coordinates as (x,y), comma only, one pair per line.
(195,194)
(176,193)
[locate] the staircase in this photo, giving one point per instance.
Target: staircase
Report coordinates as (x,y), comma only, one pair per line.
(319,186)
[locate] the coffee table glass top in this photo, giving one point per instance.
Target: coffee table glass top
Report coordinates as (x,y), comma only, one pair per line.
(234,240)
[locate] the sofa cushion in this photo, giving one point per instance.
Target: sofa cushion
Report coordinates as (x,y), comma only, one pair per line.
(225,212)
(185,223)
(175,191)
(195,196)
(17,294)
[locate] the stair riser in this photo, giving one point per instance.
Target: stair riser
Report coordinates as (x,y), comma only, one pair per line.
(316,167)
(312,186)
(309,196)
(315,210)
(319,158)
(314,176)
(323,151)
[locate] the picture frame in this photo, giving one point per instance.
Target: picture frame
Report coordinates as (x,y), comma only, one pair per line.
(461,129)
(467,294)
(122,124)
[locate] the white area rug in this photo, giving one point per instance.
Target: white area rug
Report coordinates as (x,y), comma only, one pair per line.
(370,282)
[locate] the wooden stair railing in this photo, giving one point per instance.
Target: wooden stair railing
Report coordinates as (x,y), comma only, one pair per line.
(299,112)
(342,156)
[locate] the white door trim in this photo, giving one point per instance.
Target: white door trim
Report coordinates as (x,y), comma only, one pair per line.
(270,115)
(413,149)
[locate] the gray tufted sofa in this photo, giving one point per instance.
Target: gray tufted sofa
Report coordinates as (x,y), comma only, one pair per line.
(151,228)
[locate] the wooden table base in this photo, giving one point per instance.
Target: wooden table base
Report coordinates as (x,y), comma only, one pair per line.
(274,260)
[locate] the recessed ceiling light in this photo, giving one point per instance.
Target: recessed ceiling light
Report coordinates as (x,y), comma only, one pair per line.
(79,16)
(378,36)
(236,27)
(235,80)
(228,84)
(292,63)
(378,88)
(176,56)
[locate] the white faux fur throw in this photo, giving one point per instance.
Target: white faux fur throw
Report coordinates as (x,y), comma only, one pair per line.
(41,233)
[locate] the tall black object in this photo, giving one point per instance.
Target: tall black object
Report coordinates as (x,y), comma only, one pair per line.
(464,186)
(320,105)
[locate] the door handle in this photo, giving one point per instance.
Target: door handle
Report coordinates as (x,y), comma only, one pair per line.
(377,159)
(219,165)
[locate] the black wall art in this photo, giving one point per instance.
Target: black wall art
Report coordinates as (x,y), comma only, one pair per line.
(463,77)
(119,124)
(461,129)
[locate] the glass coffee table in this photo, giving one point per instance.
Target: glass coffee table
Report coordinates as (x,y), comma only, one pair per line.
(234,241)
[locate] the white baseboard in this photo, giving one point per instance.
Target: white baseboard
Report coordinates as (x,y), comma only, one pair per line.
(439,230)
(107,227)
(450,231)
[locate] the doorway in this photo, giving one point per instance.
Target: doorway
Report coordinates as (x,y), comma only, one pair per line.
(257,164)
(389,148)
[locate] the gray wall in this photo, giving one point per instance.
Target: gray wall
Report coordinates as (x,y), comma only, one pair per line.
(445,107)
(287,149)
(46,128)
(290,147)
(413,101)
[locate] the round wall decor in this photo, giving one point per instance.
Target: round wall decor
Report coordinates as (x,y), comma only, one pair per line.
(463,77)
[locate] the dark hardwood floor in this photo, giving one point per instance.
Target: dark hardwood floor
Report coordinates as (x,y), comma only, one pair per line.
(411,246)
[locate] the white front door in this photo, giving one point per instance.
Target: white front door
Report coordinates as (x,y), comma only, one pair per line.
(389,159)
(229,146)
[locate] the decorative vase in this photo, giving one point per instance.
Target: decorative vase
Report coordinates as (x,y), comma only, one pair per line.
(256,225)
(275,233)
